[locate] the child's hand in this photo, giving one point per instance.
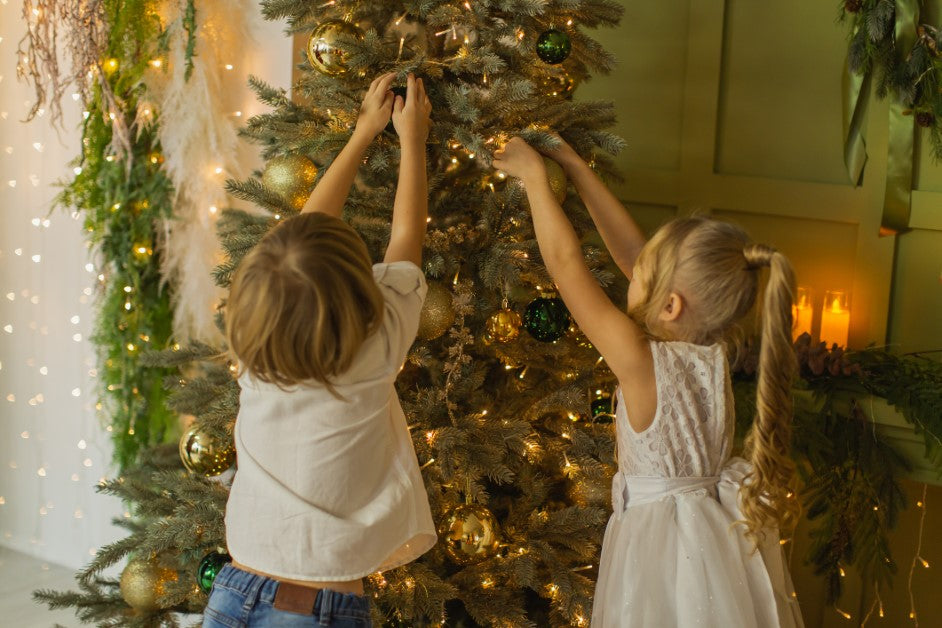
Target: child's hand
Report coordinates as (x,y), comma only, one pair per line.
(376,107)
(411,115)
(564,154)
(519,159)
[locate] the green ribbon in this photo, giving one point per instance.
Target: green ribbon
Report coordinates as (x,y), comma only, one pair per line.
(899,171)
(899,165)
(856,97)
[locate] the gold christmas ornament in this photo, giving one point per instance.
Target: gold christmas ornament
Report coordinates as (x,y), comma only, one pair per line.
(559,85)
(503,326)
(470,534)
(557,178)
(143,581)
(291,176)
(438,313)
(204,455)
(324,48)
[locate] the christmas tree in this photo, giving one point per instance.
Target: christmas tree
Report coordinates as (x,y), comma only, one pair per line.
(508,404)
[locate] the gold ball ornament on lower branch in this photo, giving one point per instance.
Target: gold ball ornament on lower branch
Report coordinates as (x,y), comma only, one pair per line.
(325,48)
(438,312)
(470,534)
(292,177)
(203,454)
(557,178)
(502,326)
(143,581)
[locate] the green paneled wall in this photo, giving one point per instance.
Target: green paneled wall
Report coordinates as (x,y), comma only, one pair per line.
(734,108)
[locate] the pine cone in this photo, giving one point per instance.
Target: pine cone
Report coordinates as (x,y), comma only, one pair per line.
(817,358)
(852,6)
(925,119)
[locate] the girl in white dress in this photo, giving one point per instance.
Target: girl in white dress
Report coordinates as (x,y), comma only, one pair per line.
(694,537)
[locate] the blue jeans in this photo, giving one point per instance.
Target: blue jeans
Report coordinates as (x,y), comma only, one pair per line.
(244,600)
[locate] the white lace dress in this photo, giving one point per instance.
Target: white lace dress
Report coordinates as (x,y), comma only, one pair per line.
(671,556)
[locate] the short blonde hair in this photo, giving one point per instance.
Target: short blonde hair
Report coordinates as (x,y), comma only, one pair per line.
(302,302)
(714,267)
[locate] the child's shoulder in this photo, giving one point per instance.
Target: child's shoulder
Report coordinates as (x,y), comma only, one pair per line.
(403,277)
(682,346)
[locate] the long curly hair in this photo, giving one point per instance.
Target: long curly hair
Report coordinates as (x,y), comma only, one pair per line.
(715,268)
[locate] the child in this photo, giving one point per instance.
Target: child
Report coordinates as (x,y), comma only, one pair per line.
(328,489)
(671,554)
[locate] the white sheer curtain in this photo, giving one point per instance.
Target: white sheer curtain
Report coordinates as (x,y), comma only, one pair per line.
(53,447)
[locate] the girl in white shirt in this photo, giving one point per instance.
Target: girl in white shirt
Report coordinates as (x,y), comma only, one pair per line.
(328,489)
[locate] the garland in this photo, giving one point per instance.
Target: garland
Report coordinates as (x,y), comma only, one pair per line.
(850,473)
(121,188)
(909,73)
(892,48)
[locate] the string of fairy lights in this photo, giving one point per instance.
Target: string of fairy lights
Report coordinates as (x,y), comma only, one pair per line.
(56,451)
(33,297)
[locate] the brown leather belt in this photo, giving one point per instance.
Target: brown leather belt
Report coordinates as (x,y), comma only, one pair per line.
(295,598)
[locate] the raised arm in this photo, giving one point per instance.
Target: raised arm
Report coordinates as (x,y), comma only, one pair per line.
(410,210)
(620,341)
(619,231)
(331,192)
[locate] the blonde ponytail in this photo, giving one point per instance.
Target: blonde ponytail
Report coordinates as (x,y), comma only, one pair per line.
(767,495)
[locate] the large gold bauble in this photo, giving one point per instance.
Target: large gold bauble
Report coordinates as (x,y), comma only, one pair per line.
(291,176)
(503,326)
(324,49)
(203,454)
(557,178)
(143,581)
(470,534)
(438,312)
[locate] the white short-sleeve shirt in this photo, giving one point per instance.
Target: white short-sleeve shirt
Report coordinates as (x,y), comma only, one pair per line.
(330,489)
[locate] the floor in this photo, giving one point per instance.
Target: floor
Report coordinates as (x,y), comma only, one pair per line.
(20,575)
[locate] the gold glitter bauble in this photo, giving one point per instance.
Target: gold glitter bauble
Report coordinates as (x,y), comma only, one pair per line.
(558,85)
(143,581)
(324,49)
(291,176)
(503,326)
(204,455)
(438,312)
(470,534)
(557,178)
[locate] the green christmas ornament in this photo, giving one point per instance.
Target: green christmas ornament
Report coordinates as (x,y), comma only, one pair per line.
(209,568)
(547,319)
(553,46)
